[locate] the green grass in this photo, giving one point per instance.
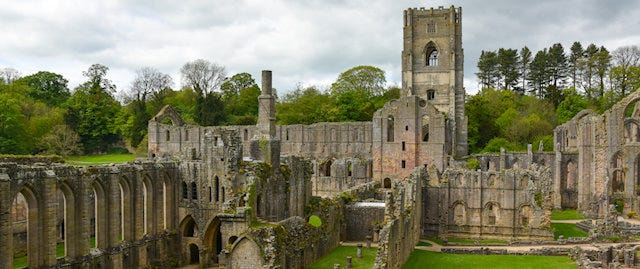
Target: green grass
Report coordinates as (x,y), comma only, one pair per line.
(568,214)
(567,230)
(85,160)
(22,261)
(428,259)
(470,242)
(339,254)
(424,244)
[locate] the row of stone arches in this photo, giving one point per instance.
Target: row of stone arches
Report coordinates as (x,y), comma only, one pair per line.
(491,214)
(205,248)
(99,211)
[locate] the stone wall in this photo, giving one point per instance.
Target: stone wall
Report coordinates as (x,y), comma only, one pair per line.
(492,204)
(401,228)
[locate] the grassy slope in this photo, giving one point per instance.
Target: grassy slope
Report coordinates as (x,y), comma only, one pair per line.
(339,254)
(428,259)
(567,230)
(99,159)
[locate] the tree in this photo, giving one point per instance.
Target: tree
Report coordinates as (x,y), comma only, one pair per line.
(508,67)
(577,53)
(49,88)
(8,75)
(525,60)
(62,140)
(148,82)
(587,69)
(203,76)
(557,64)
(626,60)
(209,110)
(539,73)
(366,80)
(92,111)
(232,87)
(240,96)
(571,105)
(602,62)
(488,72)
(304,106)
(13,130)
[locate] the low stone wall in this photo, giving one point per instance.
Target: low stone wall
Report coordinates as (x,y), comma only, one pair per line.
(363,219)
(620,256)
(502,251)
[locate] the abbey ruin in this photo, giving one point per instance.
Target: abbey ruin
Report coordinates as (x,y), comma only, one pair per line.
(242,196)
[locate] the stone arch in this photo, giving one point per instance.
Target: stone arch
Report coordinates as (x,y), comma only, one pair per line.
(71,221)
(491,214)
(100,214)
(525,215)
(386,183)
(617,173)
(459,181)
(430,53)
(194,254)
(631,131)
(169,201)
(213,239)
(35,249)
(243,254)
(425,128)
(168,112)
(148,214)
(459,210)
(524,181)
(325,168)
(126,209)
(189,227)
(492,180)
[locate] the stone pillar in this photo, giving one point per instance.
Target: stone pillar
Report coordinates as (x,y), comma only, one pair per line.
(336,266)
(369,241)
(264,145)
(48,217)
(6,221)
(557,179)
(503,160)
(348,265)
(359,251)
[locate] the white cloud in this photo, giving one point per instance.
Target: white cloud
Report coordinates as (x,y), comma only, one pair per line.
(308,42)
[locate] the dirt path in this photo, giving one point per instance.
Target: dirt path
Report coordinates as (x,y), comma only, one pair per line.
(514,249)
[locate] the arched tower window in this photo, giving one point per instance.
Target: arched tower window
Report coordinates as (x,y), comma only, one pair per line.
(431,53)
(431,94)
(390,128)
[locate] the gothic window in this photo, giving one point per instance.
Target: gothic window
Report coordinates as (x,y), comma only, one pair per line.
(194,191)
(185,190)
(168,135)
(390,129)
(404,146)
(431,94)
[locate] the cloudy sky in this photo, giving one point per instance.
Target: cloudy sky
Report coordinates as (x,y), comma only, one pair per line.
(302,42)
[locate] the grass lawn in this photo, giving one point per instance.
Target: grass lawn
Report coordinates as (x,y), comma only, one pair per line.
(424,244)
(470,242)
(428,259)
(85,160)
(339,254)
(567,230)
(568,214)
(21,261)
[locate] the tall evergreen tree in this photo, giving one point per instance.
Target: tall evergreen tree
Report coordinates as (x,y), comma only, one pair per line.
(508,67)
(577,53)
(539,73)
(525,61)
(602,62)
(557,63)
(488,72)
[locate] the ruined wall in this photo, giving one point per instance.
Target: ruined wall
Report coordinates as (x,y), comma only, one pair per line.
(131,204)
(489,204)
(401,228)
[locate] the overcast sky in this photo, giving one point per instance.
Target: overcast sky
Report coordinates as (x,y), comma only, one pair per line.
(307,42)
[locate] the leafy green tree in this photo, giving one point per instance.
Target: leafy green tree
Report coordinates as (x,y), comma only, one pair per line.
(624,75)
(47,87)
(365,80)
(13,131)
(587,69)
(305,106)
(92,111)
(488,72)
(240,96)
(571,105)
(210,110)
(62,141)
(508,67)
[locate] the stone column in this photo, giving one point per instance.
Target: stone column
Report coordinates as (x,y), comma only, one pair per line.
(48,217)
(6,221)
(557,179)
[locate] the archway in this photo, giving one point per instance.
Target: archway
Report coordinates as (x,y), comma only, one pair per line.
(194,254)
(213,240)
(189,227)
(99,217)
(25,209)
(147,206)
(386,183)
(459,214)
(126,210)
(169,199)
(70,232)
(526,213)
(491,214)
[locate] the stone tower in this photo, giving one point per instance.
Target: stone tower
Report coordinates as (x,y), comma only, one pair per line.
(432,65)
